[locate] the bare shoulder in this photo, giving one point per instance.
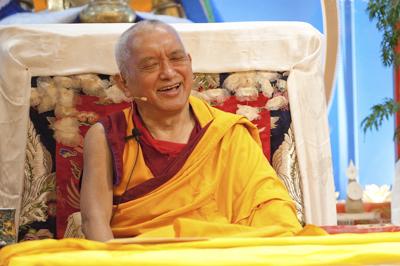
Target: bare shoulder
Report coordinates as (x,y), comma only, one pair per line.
(96,152)
(95,143)
(96,130)
(95,134)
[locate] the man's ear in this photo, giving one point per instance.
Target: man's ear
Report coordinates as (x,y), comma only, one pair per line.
(121,83)
(190,57)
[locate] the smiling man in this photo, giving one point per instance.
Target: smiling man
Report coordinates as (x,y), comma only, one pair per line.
(171,165)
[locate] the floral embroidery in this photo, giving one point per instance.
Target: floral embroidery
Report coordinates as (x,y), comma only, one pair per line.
(39,182)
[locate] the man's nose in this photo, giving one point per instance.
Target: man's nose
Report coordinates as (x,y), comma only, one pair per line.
(167,70)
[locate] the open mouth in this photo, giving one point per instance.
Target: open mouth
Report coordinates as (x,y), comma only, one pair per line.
(170,88)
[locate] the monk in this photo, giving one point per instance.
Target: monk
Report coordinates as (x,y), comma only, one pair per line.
(171,165)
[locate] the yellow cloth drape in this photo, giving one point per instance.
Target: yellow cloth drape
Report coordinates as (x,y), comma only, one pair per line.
(345,249)
(225,186)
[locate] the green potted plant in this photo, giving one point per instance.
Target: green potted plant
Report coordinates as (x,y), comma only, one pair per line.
(387,15)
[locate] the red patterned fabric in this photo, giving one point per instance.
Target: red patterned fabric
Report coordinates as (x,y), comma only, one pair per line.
(263,124)
(69,163)
(361,229)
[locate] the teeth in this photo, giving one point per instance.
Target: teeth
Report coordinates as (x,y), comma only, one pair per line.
(170,87)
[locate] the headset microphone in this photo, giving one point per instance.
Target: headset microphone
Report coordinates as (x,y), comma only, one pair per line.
(135,135)
(144,99)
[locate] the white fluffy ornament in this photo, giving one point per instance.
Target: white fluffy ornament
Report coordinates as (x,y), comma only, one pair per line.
(48,97)
(66,131)
(115,95)
(218,96)
(65,103)
(276,103)
(93,85)
(252,113)
(246,94)
(239,80)
(35,97)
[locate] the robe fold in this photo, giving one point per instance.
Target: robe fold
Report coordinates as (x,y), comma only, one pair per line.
(225,186)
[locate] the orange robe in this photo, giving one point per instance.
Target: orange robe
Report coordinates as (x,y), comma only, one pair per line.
(225,187)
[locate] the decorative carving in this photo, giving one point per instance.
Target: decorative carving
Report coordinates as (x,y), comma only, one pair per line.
(284,161)
(39,181)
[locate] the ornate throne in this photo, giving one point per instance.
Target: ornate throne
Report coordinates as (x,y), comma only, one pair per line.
(281,60)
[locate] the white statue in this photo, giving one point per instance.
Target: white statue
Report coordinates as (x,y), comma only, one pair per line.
(354,202)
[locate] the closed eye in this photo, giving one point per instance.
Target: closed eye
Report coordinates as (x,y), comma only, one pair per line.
(149,66)
(178,56)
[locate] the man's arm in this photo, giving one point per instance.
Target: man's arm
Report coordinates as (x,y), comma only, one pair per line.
(97,188)
(262,199)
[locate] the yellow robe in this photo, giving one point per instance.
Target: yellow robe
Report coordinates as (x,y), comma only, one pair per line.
(345,249)
(226,187)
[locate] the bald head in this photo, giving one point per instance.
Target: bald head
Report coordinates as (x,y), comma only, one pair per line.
(123,49)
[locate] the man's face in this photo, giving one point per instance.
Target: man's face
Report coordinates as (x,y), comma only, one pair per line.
(160,70)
